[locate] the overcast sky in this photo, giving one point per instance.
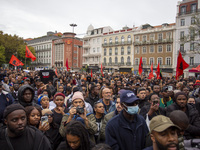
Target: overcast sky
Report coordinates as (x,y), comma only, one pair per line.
(31,19)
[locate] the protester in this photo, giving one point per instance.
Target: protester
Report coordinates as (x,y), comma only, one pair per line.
(141,93)
(166,100)
(17,135)
(119,127)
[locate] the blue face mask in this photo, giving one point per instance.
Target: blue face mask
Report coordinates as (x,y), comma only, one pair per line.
(132,110)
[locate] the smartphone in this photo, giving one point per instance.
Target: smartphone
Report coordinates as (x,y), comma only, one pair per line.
(170,88)
(155,102)
(44,119)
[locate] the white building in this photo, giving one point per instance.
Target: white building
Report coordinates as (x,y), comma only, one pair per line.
(92,46)
(185,17)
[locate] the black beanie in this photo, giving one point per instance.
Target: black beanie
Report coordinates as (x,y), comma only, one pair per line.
(9,109)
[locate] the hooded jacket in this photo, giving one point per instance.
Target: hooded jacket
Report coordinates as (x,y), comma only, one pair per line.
(194,119)
(21,98)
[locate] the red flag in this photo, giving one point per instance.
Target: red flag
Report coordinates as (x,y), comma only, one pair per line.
(181,65)
(56,72)
(140,66)
(151,73)
(91,72)
(158,71)
(67,65)
(29,54)
(102,70)
(15,62)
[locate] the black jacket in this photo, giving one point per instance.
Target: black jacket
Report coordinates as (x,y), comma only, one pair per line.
(194,120)
(92,100)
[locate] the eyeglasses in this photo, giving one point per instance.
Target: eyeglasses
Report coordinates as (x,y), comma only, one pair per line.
(48,115)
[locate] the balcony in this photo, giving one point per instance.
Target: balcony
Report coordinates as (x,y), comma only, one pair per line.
(128,63)
(117,43)
(154,66)
(153,42)
(188,12)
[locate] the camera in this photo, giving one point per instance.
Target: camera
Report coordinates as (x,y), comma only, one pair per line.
(79,110)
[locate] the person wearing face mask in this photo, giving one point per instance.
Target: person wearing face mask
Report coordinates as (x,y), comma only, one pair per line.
(128,130)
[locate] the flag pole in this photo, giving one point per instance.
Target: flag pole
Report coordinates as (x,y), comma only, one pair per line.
(25,62)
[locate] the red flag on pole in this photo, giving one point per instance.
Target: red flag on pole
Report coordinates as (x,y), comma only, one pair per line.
(140,66)
(56,72)
(181,65)
(29,54)
(15,62)
(67,65)
(158,71)
(91,72)
(102,70)
(151,72)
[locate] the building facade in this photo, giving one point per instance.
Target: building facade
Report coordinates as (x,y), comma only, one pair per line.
(155,45)
(67,47)
(92,47)
(117,54)
(43,50)
(187,11)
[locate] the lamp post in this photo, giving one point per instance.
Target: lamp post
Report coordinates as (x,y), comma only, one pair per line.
(73,25)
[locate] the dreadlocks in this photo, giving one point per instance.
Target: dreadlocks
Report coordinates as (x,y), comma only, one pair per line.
(76,128)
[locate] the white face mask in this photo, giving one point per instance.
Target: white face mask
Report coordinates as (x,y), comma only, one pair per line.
(132,110)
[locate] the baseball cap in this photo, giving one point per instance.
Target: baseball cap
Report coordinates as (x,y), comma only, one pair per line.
(128,96)
(160,123)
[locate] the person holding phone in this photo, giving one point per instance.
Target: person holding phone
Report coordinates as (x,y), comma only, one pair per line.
(152,109)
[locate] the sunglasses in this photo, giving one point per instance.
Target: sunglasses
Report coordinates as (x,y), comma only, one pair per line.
(48,115)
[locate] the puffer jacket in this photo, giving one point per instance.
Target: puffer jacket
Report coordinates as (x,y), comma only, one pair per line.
(193,129)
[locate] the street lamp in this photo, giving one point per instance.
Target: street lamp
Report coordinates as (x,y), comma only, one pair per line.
(73,25)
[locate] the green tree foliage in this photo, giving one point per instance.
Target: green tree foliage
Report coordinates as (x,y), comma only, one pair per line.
(14,45)
(2,55)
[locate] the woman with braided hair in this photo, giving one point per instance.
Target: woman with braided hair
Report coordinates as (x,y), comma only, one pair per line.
(77,137)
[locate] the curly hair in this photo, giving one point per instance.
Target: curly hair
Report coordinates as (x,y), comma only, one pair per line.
(76,128)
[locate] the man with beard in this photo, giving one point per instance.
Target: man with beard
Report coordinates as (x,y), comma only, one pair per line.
(17,135)
(163,134)
(193,129)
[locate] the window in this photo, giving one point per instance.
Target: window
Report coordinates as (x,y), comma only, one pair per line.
(182,34)
(129,39)
(137,51)
(144,61)
(144,50)
(128,59)
(182,47)
(122,60)
(110,60)
(192,33)
(160,49)
(136,61)
(168,61)
(183,10)
(144,38)
(122,51)
(116,51)
(110,51)
(122,39)
(191,60)
(116,40)
(104,51)
(169,35)
(151,49)
(104,60)
(160,36)
(93,50)
(110,40)
(105,41)
(98,49)
(151,60)
(128,50)
(182,22)
(151,37)
(97,40)
(193,20)
(169,48)
(137,38)
(116,60)
(191,46)
(159,60)
(193,8)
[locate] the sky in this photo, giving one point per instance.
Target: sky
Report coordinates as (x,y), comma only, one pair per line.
(32,19)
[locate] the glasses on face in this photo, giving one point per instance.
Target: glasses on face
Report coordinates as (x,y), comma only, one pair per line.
(190,84)
(48,115)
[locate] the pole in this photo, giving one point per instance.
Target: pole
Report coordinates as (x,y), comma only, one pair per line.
(73,25)
(25,62)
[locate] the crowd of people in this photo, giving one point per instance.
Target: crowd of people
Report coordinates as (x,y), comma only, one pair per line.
(80,111)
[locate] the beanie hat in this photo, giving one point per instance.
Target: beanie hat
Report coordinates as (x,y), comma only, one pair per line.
(12,108)
(59,94)
(77,95)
